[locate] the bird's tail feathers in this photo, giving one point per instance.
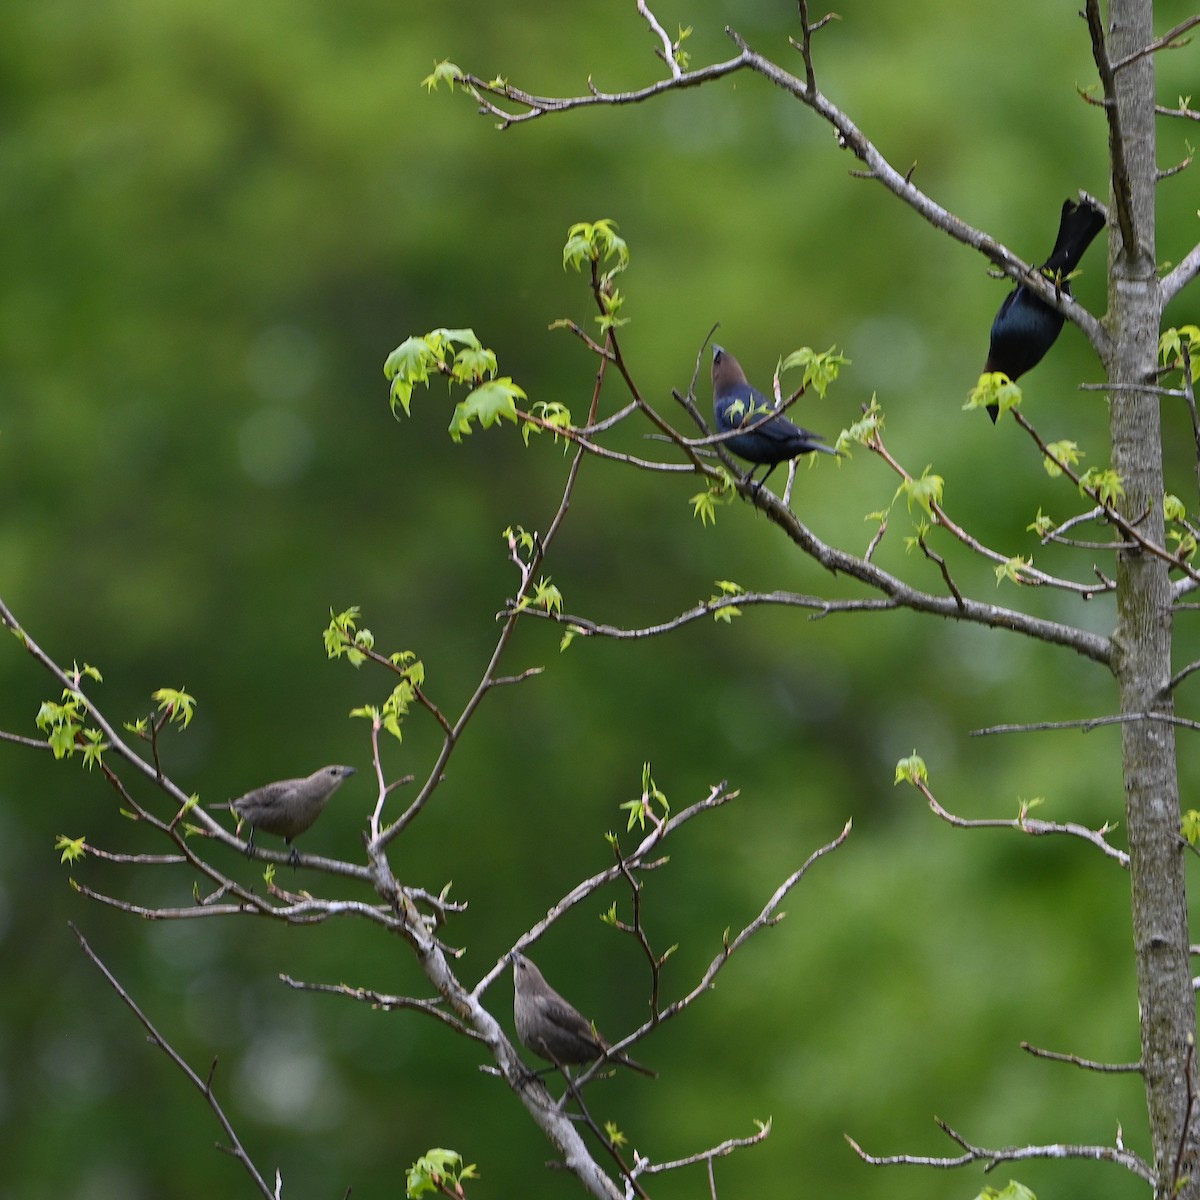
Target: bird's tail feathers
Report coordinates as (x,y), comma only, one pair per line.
(1078,227)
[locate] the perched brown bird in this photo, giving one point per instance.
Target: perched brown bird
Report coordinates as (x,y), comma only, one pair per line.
(290,806)
(737,405)
(552,1029)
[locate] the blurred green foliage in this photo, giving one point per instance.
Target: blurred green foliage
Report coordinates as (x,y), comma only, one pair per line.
(219,219)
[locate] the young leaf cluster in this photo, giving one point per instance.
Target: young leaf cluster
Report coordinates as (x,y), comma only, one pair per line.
(459,356)
(63,724)
(994,388)
(438,1171)
(642,809)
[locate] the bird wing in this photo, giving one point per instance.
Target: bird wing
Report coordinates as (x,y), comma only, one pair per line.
(561,1014)
(267,799)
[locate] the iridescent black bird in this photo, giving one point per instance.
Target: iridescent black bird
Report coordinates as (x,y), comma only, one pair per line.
(1026,327)
(737,405)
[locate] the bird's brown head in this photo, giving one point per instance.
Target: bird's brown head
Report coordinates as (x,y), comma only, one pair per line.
(726,370)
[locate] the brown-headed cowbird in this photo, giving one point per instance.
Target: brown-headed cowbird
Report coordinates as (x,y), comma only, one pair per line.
(290,806)
(737,405)
(1026,327)
(551,1028)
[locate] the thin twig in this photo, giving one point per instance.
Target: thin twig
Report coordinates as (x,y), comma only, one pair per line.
(644,1167)
(992,1157)
(1087,724)
(204,1087)
(1166,42)
(1025,824)
(385,1002)
(667,53)
(1122,192)
(1086,1064)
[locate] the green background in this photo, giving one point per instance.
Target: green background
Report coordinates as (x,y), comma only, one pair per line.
(217,220)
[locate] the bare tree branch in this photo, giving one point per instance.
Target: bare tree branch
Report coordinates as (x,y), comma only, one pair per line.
(385,1002)
(491,95)
(667,53)
(645,1167)
(1025,824)
(1133,246)
(1168,41)
(1086,1064)
(1087,724)
(203,1086)
(992,1157)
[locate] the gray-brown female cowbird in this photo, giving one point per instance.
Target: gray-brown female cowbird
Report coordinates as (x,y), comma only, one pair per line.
(1026,327)
(551,1028)
(287,808)
(737,405)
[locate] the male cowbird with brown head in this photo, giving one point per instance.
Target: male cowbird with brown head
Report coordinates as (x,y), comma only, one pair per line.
(552,1028)
(738,405)
(1026,327)
(288,807)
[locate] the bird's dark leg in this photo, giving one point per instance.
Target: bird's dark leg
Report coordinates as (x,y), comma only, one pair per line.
(757,484)
(293,856)
(250,843)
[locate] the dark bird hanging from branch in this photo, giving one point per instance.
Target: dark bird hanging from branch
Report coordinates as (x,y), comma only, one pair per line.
(1026,327)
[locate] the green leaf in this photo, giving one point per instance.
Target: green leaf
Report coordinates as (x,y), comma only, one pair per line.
(1061,454)
(342,637)
(406,366)
(547,596)
(1185,543)
(820,369)
(1014,1191)
(614,1134)
(994,387)
(177,704)
(1190,826)
(557,416)
(93,748)
(1042,524)
(443,72)
(926,491)
(1106,485)
(72,849)
(438,1170)
(473,364)
(595,241)
(1173,508)
(726,612)
(911,770)
(1011,569)
(572,632)
(490,402)
(1171,346)
(863,430)
(1025,807)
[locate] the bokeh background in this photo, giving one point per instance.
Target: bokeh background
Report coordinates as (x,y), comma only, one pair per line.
(217,220)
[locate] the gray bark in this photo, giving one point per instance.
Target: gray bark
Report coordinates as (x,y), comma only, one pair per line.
(1142,642)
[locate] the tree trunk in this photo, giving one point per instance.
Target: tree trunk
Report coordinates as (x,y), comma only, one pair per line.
(1142,661)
